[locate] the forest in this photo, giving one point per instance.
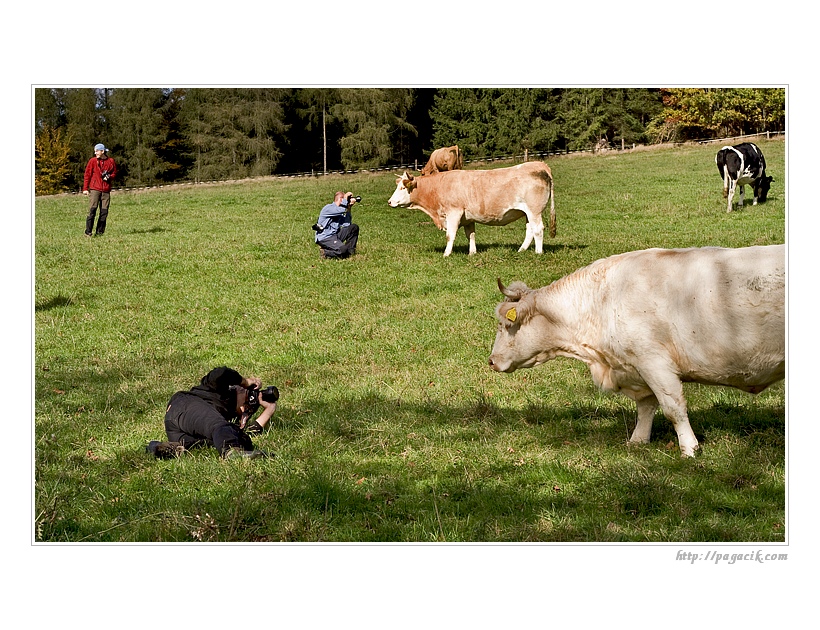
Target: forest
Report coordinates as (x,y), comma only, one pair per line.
(173,135)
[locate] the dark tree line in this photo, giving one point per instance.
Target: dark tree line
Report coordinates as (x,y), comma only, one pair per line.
(200,134)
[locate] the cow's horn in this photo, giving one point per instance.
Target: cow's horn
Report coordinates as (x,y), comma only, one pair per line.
(516,292)
(503,289)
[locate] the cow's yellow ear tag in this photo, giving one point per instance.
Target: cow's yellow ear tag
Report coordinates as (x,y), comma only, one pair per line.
(511,315)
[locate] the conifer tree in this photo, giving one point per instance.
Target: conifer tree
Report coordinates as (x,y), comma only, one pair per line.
(232,132)
(371,117)
(136,123)
(315,105)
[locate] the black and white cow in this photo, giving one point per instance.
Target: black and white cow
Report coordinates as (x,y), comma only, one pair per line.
(740,165)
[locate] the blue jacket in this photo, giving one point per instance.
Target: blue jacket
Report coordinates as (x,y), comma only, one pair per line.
(331,218)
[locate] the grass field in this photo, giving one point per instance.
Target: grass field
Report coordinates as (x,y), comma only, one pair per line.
(391,426)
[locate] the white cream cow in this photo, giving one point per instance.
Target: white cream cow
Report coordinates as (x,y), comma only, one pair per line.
(647,321)
(494,197)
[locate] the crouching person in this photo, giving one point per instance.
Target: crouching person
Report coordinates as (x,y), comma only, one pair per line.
(336,234)
(215,413)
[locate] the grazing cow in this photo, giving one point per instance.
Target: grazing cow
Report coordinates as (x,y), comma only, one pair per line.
(647,321)
(494,197)
(445,159)
(740,165)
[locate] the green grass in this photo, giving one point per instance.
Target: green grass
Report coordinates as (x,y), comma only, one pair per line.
(391,427)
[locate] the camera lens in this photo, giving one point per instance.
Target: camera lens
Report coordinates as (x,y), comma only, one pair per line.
(270,394)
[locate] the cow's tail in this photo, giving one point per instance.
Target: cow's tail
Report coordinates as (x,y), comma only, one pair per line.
(552,208)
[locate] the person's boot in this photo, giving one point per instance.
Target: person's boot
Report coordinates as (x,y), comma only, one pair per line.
(165,450)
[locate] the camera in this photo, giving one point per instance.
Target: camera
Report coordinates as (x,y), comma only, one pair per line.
(357,198)
(269,394)
(106,175)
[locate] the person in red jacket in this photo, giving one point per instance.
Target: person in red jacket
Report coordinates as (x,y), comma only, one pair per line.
(99,172)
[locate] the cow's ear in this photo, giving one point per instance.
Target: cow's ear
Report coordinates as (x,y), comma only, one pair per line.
(409,183)
(511,313)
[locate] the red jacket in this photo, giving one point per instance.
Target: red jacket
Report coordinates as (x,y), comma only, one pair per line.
(93,173)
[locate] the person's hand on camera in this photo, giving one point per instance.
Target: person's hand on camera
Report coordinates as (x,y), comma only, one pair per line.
(252,383)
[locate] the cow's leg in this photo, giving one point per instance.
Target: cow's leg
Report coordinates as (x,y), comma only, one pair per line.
(469,231)
(535,230)
(451,226)
(668,390)
(646,414)
(538,234)
(731,195)
(742,195)
(528,237)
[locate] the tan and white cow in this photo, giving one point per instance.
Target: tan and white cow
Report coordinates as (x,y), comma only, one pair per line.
(647,321)
(494,197)
(444,159)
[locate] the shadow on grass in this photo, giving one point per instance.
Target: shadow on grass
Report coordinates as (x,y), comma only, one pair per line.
(58,301)
(463,249)
(154,230)
(590,488)
(377,468)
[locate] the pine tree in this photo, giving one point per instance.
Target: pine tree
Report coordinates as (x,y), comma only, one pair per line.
(315,105)
(233,132)
(457,119)
(492,122)
(260,117)
(85,126)
(371,117)
(137,129)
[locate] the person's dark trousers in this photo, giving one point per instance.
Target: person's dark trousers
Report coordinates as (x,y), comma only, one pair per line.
(343,244)
(193,422)
(96,199)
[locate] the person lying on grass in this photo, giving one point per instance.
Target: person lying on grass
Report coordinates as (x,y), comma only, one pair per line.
(214,413)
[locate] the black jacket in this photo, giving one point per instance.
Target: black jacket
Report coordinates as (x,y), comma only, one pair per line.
(214,388)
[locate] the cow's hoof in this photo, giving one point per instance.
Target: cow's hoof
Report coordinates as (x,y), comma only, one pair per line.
(688,452)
